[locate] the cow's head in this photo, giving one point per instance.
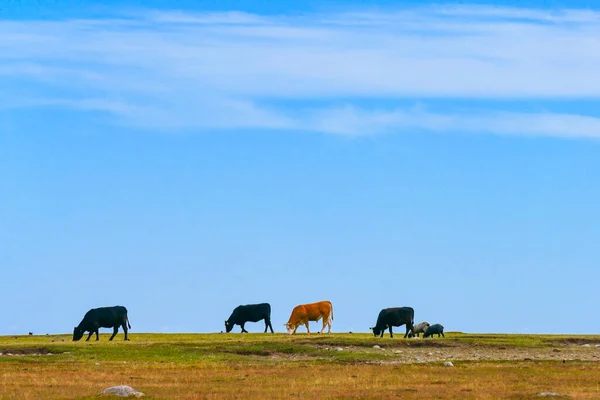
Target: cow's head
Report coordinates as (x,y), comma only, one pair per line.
(290,327)
(377,331)
(77,334)
(228,326)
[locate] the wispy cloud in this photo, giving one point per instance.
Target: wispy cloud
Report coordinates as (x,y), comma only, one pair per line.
(352,121)
(181,70)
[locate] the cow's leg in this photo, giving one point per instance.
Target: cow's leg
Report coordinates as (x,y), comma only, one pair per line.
(268,325)
(307,327)
(410,332)
(125,330)
(443,334)
(97,335)
(391,333)
(243,329)
(329,323)
(115,330)
(89,336)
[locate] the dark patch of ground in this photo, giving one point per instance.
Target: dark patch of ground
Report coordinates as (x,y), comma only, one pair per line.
(24,351)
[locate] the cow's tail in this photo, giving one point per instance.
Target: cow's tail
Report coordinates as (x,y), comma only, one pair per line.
(331,311)
(128,324)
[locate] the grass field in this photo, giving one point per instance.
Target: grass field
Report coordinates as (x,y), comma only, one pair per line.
(259,366)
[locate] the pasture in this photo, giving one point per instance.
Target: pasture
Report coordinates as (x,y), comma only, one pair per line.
(262,366)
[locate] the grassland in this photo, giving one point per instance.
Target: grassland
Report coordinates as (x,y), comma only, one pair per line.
(260,366)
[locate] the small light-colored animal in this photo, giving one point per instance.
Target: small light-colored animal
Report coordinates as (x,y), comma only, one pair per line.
(420,328)
(304,313)
(433,329)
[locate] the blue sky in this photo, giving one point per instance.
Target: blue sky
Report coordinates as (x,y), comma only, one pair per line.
(182,158)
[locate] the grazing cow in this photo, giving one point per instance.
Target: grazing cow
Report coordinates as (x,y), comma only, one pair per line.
(250,313)
(433,329)
(420,328)
(396,316)
(304,313)
(103,317)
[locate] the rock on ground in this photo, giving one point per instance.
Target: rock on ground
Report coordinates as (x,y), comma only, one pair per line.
(448,364)
(552,394)
(122,391)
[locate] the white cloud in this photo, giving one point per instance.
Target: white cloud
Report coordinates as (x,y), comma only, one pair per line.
(351,121)
(222,18)
(178,70)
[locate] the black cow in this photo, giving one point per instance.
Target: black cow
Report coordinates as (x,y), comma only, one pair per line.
(433,329)
(396,316)
(103,317)
(249,313)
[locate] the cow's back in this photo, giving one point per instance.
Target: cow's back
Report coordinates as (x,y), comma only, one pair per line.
(252,312)
(395,316)
(106,317)
(403,315)
(319,309)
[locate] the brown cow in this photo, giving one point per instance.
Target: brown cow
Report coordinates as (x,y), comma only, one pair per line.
(304,313)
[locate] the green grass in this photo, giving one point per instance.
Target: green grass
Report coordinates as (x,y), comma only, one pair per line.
(228,347)
(191,366)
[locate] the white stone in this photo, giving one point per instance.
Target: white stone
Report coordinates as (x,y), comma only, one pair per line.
(122,391)
(417,358)
(397,351)
(549,394)
(376,347)
(585,345)
(448,364)
(339,349)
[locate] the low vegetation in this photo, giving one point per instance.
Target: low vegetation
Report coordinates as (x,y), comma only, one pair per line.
(191,366)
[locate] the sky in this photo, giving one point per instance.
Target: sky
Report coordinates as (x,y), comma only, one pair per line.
(183,158)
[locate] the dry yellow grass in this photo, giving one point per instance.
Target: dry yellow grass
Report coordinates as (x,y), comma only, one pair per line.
(260,366)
